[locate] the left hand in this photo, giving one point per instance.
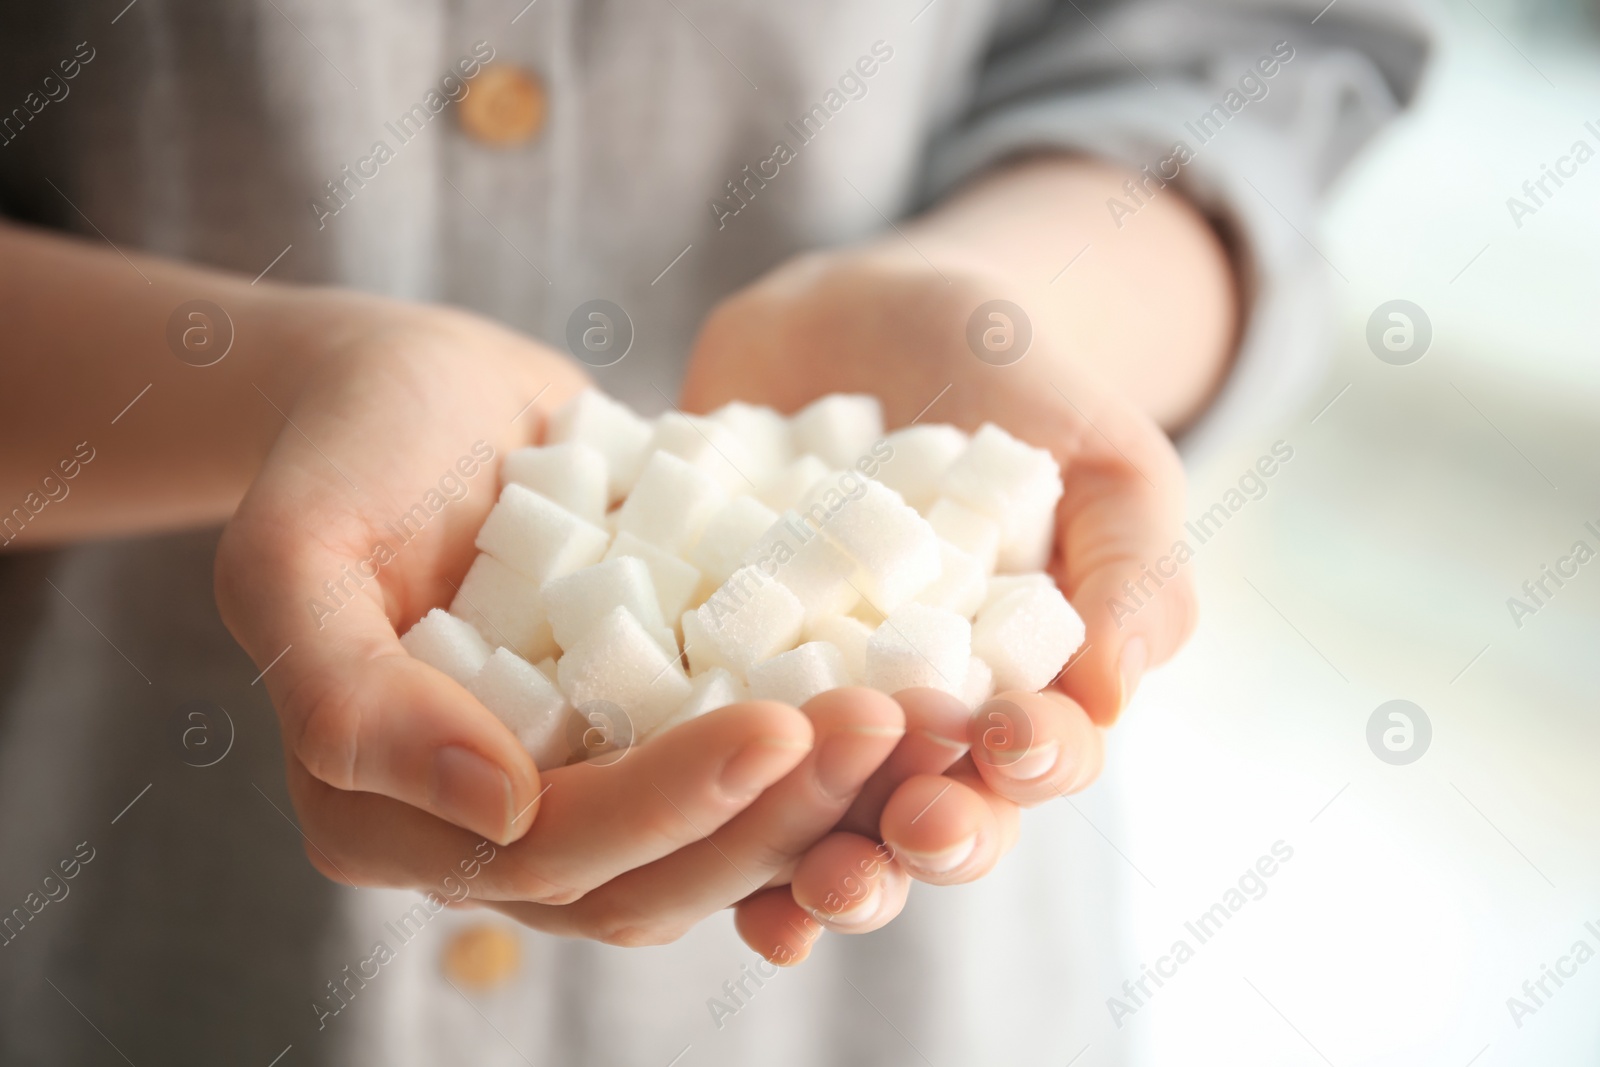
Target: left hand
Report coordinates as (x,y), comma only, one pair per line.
(883,320)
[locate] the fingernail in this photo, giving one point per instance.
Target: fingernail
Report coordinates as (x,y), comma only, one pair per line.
(758,765)
(1024,765)
(858,913)
(471,792)
(848,758)
(1135,655)
(941,862)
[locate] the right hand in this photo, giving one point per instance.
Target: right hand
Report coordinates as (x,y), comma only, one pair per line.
(396,772)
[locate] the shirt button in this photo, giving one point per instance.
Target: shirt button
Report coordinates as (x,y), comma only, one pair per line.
(504,106)
(481,957)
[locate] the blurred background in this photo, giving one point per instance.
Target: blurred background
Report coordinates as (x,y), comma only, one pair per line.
(1378,566)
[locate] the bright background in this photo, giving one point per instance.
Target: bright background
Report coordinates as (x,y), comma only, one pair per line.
(1378,567)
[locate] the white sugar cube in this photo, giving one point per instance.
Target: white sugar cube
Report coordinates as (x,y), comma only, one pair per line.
(812,567)
(788,486)
(729,535)
(1013,483)
(620,662)
(896,551)
(530,706)
(846,633)
(1031,543)
(968,529)
(714,689)
(960,585)
(796,676)
(920,647)
(839,428)
(765,434)
(675,581)
(612,429)
(1027,636)
(709,445)
(505,608)
(1002,585)
(572,474)
(537,537)
(448,644)
(919,457)
(750,618)
(671,504)
(980,683)
(577,602)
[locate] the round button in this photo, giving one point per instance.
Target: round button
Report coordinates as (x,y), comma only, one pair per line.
(505,105)
(481,957)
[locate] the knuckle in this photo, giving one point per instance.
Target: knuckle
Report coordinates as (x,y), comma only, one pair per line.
(530,885)
(330,718)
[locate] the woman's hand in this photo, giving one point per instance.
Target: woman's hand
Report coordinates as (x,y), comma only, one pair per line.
(889,320)
(397,773)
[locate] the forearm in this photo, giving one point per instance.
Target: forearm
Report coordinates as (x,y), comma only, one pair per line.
(1150,307)
(86,332)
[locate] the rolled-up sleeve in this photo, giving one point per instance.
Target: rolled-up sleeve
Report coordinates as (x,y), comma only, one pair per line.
(1249,110)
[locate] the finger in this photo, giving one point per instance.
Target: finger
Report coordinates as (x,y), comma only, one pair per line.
(935,737)
(946,829)
(355,710)
(596,820)
(1122,568)
(772,924)
(850,884)
(856,729)
(1034,747)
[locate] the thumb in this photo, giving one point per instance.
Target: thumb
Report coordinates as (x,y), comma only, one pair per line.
(356,710)
(1126,573)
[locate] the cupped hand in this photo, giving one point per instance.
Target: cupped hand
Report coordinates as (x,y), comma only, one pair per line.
(882,320)
(363,518)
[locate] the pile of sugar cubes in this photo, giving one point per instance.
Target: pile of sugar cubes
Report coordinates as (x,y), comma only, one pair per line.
(658,570)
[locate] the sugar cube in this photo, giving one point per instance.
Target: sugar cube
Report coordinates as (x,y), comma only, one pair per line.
(765,434)
(968,529)
(896,551)
(788,486)
(813,568)
(612,429)
(750,618)
(980,683)
(919,457)
(714,689)
(1002,585)
(796,676)
(505,608)
(1027,636)
(448,644)
(960,585)
(1030,546)
(571,474)
(839,428)
(537,537)
(710,445)
(671,504)
(575,603)
(675,580)
(527,703)
(620,662)
(846,633)
(1010,481)
(920,647)
(729,535)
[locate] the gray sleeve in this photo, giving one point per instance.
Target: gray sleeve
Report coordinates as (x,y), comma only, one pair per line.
(1182,88)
